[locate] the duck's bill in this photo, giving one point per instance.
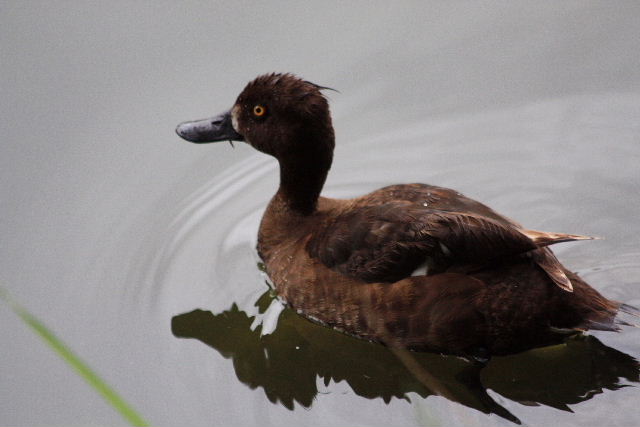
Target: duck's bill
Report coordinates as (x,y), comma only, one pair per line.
(214,129)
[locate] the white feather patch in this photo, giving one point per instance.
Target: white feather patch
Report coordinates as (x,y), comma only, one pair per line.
(422,269)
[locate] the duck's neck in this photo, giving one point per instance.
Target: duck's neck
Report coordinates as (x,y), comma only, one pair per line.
(303,173)
(301,184)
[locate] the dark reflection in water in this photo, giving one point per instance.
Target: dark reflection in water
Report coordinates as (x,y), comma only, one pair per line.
(287,363)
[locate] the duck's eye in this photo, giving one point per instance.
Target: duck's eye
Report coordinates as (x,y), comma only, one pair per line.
(259,110)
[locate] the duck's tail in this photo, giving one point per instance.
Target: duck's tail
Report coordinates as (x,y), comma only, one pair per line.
(624,315)
(598,312)
(628,315)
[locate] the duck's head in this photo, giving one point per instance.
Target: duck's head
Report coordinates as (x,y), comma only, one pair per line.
(278,114)
(286,117)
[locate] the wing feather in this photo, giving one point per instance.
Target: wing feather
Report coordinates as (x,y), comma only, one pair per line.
(386,242)
(389,233)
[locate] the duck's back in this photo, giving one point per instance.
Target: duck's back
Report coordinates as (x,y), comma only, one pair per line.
(385,235)
(431,196)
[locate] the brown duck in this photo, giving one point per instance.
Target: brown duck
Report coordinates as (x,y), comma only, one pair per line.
(491,285)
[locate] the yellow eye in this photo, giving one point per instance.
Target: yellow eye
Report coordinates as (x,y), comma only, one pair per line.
(259,111)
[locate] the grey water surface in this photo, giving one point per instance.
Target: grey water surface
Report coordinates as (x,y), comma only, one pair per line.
(137,248)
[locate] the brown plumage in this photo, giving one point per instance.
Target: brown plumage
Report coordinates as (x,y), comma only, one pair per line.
(491,284)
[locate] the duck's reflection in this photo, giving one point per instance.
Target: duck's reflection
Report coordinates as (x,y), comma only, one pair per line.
(287,363)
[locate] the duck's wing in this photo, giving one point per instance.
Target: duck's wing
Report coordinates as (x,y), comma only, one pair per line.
(387,242)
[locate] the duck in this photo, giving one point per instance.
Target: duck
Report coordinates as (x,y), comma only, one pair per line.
(488,286)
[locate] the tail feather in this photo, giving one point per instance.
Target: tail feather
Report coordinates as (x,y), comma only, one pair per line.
(607,325)
(543,238)
(613,318)
(629,309)
(626,310)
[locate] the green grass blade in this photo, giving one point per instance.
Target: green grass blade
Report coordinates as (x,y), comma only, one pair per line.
(74,361)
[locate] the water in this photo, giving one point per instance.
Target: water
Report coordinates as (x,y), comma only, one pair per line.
(126,240)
